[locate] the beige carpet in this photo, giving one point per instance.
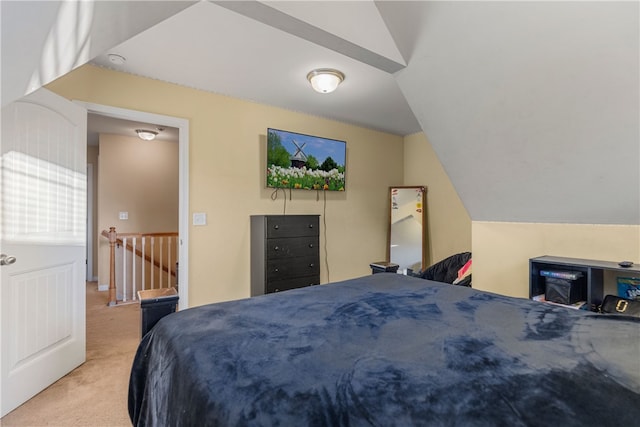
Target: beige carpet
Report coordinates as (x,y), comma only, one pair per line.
(94,394)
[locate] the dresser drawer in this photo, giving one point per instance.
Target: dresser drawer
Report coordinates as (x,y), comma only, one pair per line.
(292,226)
(289,268)
(292,247)
(298,282)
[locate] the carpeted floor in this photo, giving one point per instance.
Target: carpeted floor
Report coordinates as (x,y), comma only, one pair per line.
(94,394)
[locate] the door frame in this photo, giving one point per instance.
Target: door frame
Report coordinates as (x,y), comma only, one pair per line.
(90,230)
(183,180)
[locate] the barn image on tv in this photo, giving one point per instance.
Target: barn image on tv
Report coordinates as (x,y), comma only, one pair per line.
(303,161)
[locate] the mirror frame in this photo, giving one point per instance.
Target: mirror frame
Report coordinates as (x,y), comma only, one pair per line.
(425,241)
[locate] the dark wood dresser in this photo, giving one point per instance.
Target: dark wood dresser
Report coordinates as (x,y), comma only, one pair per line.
(285,252)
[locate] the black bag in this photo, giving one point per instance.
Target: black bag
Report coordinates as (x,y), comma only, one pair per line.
(617,305)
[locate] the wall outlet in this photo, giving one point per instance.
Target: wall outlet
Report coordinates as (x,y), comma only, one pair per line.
(123,215)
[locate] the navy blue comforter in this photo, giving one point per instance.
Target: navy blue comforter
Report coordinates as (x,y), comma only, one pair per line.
(387,350)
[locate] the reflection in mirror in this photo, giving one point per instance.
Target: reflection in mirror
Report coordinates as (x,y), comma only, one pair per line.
(407,228)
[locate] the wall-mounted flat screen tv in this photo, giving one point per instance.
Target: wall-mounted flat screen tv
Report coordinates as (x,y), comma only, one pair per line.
(305,162)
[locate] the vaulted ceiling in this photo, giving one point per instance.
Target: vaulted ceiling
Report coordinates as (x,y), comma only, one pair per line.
(532,107)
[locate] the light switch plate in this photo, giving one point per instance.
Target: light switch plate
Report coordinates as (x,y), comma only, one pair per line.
(199,218)
(123,215)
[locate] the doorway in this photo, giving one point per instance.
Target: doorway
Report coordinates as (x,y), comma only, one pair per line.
(181,126)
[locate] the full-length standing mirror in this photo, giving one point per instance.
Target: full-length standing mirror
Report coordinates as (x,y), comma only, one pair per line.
(407,228)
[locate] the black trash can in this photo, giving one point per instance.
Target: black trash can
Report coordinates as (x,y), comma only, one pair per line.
(154,305)
(383,267)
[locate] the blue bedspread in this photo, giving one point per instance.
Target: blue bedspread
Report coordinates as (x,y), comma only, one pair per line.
(387,350)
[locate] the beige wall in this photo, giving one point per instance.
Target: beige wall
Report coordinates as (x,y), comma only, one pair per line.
(449,225)
(501,251)
(140,178)
(227,151)
(226,178)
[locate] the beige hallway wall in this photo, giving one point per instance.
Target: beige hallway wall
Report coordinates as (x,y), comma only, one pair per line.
(140,178)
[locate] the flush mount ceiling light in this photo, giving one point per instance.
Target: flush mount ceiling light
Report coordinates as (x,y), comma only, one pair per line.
(325,80)
(145,134)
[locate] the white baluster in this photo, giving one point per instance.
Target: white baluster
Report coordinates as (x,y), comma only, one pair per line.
(124,269)
(133,271)
(169,240)
(151,266)
(144,261)
(160,269)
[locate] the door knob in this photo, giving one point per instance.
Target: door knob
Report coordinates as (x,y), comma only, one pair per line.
(7,259)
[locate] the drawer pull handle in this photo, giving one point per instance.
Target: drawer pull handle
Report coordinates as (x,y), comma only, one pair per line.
(275,270)
(310,225)
(311,265)
(311,245)
(276,226)
(275,248)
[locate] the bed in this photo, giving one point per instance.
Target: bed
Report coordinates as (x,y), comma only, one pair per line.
(387,350)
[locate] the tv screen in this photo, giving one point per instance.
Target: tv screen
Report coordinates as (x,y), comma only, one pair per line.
(305,162)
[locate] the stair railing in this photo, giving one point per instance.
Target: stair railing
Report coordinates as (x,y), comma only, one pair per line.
(139,261)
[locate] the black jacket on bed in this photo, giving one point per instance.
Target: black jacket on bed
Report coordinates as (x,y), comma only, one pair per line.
(447,270)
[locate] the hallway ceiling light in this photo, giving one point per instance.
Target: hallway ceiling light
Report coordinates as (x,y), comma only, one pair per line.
(325,80)
(145,134)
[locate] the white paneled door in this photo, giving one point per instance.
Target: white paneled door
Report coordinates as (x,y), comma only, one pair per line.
(42,239)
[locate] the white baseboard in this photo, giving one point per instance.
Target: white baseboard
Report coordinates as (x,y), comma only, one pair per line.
(103,287)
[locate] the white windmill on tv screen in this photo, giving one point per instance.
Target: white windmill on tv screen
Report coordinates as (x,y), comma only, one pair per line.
(299,158)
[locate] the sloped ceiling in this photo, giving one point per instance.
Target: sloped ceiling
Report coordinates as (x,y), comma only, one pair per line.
(532,107)
(42,40)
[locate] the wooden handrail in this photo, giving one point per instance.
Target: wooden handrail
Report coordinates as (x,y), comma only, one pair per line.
(165,234)
(118,239)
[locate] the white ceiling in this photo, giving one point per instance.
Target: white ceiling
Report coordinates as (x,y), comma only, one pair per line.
(533,107)
(97,124)
(208,46)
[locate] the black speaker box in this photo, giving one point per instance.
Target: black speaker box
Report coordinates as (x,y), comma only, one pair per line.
(563,291)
